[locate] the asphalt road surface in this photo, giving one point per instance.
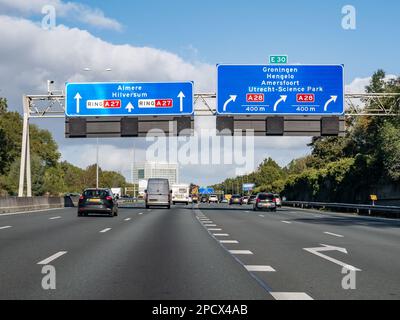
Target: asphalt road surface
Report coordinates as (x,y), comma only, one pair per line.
(200,252)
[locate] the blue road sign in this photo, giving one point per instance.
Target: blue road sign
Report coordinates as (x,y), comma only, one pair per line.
(280,89)
(128,99)
(248,186)
(206,190)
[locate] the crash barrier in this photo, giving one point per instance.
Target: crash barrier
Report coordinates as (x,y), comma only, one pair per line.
(361,209)
(21,204)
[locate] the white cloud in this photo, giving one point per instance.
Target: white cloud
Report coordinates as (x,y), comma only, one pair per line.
(73,10)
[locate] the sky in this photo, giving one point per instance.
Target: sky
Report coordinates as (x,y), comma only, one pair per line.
(158,40)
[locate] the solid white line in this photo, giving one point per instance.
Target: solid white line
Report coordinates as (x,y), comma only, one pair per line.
(22,212)
(291,296)
(221,234)
(288,222)
(127,219)
(240,252)
(228,241)
(53,218)
(105,230)
(210,225)
(214,229)
(334,234)
(53,257)
(260,268)
(5,227)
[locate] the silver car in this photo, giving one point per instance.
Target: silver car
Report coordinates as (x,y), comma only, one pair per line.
(264,201)
(158,193)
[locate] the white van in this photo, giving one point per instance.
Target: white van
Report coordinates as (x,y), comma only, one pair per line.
(181,193)
(158,193)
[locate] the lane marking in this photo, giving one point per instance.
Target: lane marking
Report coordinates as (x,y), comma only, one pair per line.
(210,225)
(31,211)
(105,230)
(228,241)
(261,215)
(140,213)
(221,234)
(334,234)
(291,296)
(260,268)
(127,219)
(240,252)
(287,222)
(53,257)
(5,227)
(53,218)
(214,229)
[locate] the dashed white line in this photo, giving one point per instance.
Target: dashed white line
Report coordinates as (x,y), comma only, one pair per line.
(261,215)
(5,227)
(287,222)
(127,219)
(240,252)
(140,213)
(260,268)
(221,234)
(334,234)
(210,225)
(54,218)
(215,229)
(228,241)
(53,257)
(291,296)
(105,230)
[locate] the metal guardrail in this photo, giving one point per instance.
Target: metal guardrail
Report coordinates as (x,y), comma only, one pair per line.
(358,208)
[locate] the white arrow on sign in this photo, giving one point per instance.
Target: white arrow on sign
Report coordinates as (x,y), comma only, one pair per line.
(282,99)
(77,98)
(232,98)
(325,247)
(130,107)
(181,96)
(332,99)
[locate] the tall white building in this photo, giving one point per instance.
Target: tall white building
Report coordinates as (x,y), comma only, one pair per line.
(147,170)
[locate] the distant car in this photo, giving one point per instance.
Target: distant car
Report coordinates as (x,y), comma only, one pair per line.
(252,199)
(158,193)
(224,200)
(204,199)
(99,201)
(236,199)
(213,198)
(195,198)
(278,200)
(245,200)
(264,201)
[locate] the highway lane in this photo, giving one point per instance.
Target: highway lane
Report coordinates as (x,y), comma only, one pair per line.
(141,254)
(197,252)
(278,241)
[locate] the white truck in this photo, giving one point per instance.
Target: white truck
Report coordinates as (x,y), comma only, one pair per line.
(117,192)
(181,194)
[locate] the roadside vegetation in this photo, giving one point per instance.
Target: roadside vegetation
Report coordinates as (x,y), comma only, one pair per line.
(340,169)
(50,176)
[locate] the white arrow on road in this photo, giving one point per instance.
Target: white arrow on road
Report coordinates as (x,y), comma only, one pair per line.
(130,107)
(317,251)
(181,96)
(332,99)
(77,98)
(232,98)
(283,98)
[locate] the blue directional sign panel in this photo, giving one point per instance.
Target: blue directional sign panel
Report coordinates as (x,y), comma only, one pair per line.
(206,190)
(248,186)
(280,90)
(128,99)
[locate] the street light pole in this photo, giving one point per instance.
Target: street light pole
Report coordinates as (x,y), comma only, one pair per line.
(97,164)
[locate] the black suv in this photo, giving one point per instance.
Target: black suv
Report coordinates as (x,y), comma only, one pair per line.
(100,201)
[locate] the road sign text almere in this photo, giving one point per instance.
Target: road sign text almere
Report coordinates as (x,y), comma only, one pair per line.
(129,99)
(280,90)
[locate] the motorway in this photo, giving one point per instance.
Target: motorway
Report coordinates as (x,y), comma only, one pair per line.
(199,252)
